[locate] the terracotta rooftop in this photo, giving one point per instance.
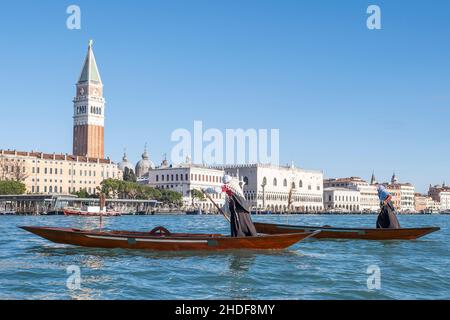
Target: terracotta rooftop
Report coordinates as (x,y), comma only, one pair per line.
(54,156)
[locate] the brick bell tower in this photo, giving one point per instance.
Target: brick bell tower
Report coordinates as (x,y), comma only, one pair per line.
(89,111)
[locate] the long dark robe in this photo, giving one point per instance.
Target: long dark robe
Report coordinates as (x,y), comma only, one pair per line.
(240,220)
(387,218)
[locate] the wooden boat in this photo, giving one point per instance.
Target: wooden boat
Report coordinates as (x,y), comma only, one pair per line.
(161,239)
(327,232)
(194,212)
(91,213)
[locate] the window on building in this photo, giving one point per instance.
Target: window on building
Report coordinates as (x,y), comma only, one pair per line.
(187,177)
(284,183)
(275,182)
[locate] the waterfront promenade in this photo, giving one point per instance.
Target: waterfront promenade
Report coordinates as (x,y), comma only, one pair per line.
(55,204)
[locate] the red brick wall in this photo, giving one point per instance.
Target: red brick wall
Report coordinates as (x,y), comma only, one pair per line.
(88,140)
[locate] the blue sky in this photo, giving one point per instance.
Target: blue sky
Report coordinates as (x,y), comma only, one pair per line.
(347,100)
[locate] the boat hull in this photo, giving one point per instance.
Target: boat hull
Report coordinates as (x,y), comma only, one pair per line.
(68,212)
(348,233)
(174,242)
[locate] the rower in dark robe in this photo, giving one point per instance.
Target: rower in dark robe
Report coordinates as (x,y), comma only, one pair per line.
(387,218)
(241,223)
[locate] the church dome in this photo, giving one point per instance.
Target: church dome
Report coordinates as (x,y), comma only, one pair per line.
(144,165)
(125,163)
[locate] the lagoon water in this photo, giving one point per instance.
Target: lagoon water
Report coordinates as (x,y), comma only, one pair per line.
(34,268)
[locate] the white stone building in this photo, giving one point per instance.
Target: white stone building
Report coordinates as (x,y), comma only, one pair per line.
(407,192)
(444,201)
(369,201)
(280,188)
(441,194)
(341,199)
(403,195)
(185,177)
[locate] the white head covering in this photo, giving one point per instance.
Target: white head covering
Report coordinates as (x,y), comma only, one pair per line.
(382,192)
(233,184)
(226,179)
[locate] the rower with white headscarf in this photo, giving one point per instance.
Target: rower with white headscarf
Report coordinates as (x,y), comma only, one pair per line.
(386,218)
(240,219)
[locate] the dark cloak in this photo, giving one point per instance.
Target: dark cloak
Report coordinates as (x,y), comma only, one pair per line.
(240,220)
(387,218)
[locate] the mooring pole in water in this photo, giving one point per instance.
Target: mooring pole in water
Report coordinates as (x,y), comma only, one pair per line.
(102,205)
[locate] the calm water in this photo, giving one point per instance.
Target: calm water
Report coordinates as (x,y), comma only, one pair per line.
(33,268)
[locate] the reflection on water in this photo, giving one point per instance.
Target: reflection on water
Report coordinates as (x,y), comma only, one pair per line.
(240,263)
(34,268)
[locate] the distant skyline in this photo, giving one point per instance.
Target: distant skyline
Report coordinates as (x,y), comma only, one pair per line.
(347,100)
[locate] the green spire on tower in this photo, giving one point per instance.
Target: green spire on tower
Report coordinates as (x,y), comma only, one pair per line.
(90,70)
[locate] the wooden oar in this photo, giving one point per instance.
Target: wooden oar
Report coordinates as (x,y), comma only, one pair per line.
(216,205)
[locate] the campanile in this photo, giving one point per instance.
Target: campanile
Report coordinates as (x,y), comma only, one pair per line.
(89,111)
